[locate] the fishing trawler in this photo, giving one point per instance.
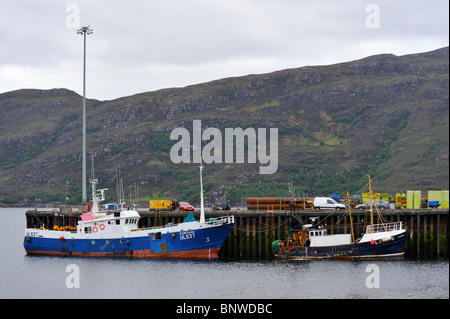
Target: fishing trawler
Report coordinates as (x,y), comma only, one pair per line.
(102,233)
(313,242)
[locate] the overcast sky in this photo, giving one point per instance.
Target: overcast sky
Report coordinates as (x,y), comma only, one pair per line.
(146,45)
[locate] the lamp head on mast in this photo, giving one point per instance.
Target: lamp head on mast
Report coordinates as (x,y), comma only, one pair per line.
(86,30)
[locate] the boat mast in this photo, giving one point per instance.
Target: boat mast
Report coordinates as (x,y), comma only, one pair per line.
(119,189)
(371,203)
(202,208)
(350,214)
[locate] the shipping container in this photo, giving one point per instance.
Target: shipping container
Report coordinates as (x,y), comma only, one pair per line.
(413,199)
(445,203)
(160,204)
(365,197)
(440,196)
(417,199)
(410,199)
(400,200)
(279,203)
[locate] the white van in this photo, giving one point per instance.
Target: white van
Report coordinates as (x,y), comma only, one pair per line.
(327,203)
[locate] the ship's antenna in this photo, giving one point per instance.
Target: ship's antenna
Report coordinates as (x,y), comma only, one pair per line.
(92,167)
(94,182)
(120,192)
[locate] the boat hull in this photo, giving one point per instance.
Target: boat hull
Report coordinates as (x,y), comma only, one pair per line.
(394,247)
(195,243)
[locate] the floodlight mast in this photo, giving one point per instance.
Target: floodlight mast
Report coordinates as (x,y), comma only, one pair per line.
(84,31)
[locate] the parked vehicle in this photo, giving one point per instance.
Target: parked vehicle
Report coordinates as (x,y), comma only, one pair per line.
(185,206)
(327,203)
(381,204)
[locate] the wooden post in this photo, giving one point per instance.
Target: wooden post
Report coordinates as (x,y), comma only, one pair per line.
(240,236)
(279,228)
(411,227)
(247,237)
(237,238)
(418,235)
(254,237)
(267,237)
(438,222)
(259,235)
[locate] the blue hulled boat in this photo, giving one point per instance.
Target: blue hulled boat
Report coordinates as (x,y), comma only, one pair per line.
(103,233)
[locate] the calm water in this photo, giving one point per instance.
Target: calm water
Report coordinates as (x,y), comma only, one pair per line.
(23,276)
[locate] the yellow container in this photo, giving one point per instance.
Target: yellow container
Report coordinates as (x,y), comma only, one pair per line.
(160,204)
(417,199)
(431,196)
(410,199)
(440,196)
(413,199)
(403,200)
(445,200)
(365,197)
(398,200)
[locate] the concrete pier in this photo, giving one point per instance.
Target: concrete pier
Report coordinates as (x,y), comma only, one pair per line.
(254,231)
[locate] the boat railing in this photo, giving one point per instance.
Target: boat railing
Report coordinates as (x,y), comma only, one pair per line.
(376,228)
(220,220)
(210,221)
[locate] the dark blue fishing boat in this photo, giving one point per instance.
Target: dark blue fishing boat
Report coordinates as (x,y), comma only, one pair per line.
(313,242)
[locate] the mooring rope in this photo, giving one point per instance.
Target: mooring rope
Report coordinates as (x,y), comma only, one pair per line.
(262,230)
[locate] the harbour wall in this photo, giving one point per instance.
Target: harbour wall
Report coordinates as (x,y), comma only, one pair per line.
(254,231)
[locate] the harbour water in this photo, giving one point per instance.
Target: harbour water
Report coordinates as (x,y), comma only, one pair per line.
(23,276)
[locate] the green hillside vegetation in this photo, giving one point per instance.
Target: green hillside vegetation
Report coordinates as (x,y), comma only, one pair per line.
(384,115)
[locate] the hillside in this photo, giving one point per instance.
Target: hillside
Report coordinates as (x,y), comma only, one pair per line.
(383,115)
